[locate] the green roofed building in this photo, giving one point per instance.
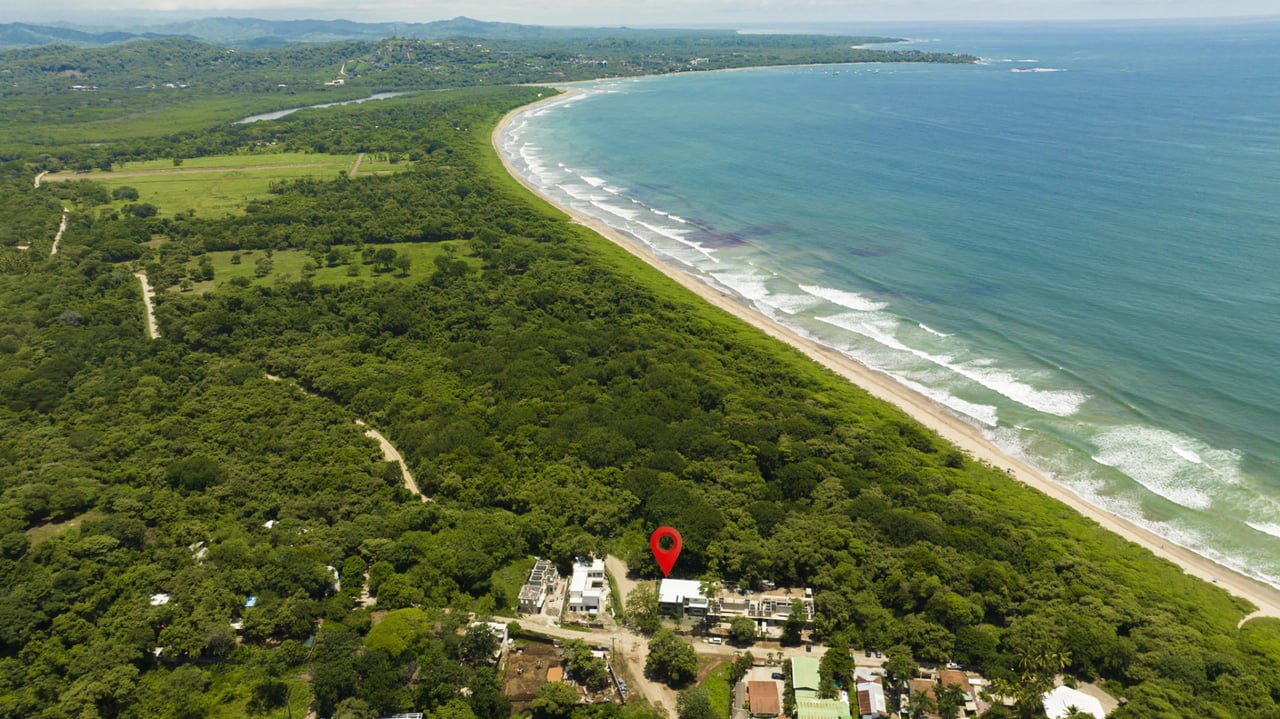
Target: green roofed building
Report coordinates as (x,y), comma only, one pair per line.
(804,682)
(804,675)
(821,709)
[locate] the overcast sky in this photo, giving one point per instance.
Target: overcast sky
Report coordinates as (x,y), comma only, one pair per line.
(631,12)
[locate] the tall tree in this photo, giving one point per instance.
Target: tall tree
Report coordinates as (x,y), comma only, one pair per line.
(899,667)
(554,700)
(671,659)
(694,703)
(642,609)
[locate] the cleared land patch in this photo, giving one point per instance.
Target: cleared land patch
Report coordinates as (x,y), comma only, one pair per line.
(45,532)
(221,185)
(259,267)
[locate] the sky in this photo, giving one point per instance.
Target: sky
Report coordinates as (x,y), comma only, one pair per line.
(668,13)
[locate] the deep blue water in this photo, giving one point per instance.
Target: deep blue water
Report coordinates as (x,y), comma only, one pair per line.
(1074,244)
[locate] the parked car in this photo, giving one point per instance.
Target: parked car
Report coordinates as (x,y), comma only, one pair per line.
(779,676)
(868,653)
(878,654)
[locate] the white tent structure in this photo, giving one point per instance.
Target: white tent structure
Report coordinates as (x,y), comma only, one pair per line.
(1058,703)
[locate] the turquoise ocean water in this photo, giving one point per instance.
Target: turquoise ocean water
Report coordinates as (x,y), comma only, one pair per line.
(1075,244)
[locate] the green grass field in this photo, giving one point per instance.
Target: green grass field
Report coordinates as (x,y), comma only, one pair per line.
(45,532)
(718,689)
(222,162)
(289,265)
(231,181)
(511,578)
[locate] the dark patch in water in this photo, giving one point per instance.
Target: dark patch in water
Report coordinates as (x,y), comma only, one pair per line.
(874,251)
(766,230)
(710,238)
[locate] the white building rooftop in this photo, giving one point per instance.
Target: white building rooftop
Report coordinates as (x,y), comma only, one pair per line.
(1058,702)
(675,591)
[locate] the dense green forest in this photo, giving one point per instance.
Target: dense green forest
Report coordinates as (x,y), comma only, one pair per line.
(553,396)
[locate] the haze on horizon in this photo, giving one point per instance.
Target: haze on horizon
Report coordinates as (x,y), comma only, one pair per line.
(668,13)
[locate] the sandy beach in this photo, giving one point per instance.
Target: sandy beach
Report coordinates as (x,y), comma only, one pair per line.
(929,413)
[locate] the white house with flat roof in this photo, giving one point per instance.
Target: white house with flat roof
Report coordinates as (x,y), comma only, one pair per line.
(681,597)
(587,587)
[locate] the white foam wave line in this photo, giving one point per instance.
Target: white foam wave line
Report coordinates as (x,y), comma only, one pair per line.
(1062,403)
(623,212)
(931,330)
(674,218)
(844,298)
(677,235)
(1266,528)
(582,193)
(984,413)
(1186,496)
(1187,455)
(1093,491)
(790,303)
(1159,460)
(747,283)
(593,181)
(1188,538)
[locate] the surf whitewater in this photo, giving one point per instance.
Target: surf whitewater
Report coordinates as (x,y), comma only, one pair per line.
(1078,262)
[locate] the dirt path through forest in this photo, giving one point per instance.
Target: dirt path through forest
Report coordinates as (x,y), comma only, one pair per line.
(389,452)
(40,177)
(61,229)
(355,166)
(153,330)
(393,455)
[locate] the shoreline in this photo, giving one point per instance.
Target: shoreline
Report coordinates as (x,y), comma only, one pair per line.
(948,425)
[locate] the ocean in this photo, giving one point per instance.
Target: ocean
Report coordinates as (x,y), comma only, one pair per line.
(1075,245)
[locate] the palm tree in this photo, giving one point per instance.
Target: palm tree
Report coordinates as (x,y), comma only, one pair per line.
(1036,676)
(921,704)
(951,701)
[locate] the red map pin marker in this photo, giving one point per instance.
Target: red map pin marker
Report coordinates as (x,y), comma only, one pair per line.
(666,557)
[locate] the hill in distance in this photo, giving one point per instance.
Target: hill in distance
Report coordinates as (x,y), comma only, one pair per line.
(258,33)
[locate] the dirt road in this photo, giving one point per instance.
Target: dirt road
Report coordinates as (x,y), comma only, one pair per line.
(153,330)
(391,454)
